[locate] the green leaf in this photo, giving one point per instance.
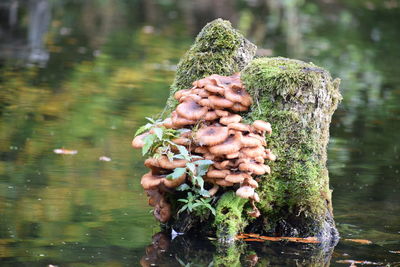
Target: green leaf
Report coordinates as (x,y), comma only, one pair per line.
(151,120)
(183,208)
(179,156)
(197,204)
(183,130)
(183,151)
(191,167)
(183,187)
(142,129)
(183,200)
(204,193)
(148,142)
(170,156)
(204,162)
(178,172)
(202,170)
(159,133)
(200,182)
(210,208)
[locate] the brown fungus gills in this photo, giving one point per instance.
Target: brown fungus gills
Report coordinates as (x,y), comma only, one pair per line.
(214,131)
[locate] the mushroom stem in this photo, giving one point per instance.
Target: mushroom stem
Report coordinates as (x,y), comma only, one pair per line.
(213,190)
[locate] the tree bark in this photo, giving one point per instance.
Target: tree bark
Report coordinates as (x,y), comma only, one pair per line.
(298,99)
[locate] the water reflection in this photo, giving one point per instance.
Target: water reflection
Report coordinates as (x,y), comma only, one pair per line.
(110,64)
(184,251)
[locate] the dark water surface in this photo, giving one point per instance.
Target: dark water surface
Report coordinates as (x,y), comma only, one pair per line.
(82,75)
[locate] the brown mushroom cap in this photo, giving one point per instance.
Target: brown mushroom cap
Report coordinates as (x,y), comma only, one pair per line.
(253,167)
(259,159)
(222,113)
(253,152)
(259,137)
(211,135)
(210,116)
(203,82)
(217,174)
(238,107)
(191,110)
(209,156)
(220,101)
(201,150)
(152,164)
(205,102)
(190,96)
(214,89)
(233,118)
(183,141)
(226,164)
(248,141)
(230,145)
(262,126)
(138,141)
(233,155)
(239,127)
(237,177)
(150,181)
(178,121)
(223,182)
(245,192)
(164,162)
(269,155)
(250,182)
(201,92)
(181,93)
(167,123)
(226,80)
(172,183)
(237,93)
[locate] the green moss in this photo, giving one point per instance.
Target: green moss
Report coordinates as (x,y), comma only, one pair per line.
(286,93)
(218,49)
(229,218)
(282,76)
(228,256)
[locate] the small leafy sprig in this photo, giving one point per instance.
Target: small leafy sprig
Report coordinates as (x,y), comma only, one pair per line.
(158,142)
(158,139)
(194,203)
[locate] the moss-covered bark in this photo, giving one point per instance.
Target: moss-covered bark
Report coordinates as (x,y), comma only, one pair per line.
(218,49)
(298,99)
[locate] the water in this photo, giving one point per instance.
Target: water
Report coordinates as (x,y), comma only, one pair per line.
(83,75)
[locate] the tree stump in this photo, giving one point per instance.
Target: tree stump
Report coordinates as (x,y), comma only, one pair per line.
(298,99)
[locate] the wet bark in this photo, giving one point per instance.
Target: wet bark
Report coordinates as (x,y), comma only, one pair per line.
(298,99)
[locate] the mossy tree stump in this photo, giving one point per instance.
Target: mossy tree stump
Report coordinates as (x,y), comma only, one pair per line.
(298,99)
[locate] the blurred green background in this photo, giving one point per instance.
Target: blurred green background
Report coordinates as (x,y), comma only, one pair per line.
(82,75)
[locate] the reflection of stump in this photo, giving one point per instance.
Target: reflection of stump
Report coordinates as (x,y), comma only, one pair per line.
(299,100)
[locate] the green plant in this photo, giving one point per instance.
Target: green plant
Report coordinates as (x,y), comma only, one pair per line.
(197,204)
(158,142)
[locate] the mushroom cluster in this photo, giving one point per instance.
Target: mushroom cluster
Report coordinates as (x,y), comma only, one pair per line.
(215,132)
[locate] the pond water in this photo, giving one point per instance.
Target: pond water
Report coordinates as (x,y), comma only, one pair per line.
(82,75)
